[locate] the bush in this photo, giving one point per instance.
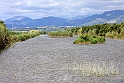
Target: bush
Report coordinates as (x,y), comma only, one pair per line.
(79,40)
(92,39)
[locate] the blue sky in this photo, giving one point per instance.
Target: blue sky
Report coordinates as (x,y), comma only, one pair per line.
(57,8)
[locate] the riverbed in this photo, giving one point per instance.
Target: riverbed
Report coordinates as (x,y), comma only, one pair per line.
(58,60)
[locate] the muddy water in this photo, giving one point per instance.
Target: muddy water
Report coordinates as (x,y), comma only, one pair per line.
(49,60)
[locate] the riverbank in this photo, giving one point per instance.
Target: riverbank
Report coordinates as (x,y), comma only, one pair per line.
(58,60)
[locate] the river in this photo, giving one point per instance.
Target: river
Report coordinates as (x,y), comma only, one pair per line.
(58,60)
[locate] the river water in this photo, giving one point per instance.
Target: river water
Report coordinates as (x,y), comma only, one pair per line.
(54,60)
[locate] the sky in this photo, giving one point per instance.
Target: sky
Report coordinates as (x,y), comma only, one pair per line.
(58,8)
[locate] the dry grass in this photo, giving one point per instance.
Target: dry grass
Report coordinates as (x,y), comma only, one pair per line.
(93,69)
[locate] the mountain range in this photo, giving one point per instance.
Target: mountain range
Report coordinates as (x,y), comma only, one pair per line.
(114,16)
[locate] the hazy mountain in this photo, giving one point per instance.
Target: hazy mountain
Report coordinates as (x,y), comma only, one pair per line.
(49,21)
(28,22)
(18,21)
(115,16)
(79,17)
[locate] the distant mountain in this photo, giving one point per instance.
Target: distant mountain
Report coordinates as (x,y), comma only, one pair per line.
(18,21)
(114,16)
(49,21)
(78,17)
(21,21)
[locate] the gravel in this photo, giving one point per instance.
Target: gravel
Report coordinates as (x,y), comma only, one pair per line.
(58,60)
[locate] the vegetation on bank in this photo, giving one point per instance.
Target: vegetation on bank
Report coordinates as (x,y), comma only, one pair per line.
(22,36)
(57,34)
(92,34)
(9,37)
(108,30)
(99,31)
(4,36)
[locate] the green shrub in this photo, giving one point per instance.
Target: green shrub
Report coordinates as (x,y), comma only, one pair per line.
(13,39)
(92,39)
(101,39)
(79,40)
(85,37)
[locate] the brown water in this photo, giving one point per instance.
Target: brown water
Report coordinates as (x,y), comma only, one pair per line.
(42,59)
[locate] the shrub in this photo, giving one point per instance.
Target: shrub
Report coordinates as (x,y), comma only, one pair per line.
(79,40)
(101,39)
(93,39)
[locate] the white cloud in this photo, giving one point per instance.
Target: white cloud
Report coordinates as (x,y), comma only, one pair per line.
(59,8)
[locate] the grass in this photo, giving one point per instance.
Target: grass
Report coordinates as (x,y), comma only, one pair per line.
(93,69)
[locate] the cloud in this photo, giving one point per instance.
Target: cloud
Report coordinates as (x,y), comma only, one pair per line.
(59,8)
